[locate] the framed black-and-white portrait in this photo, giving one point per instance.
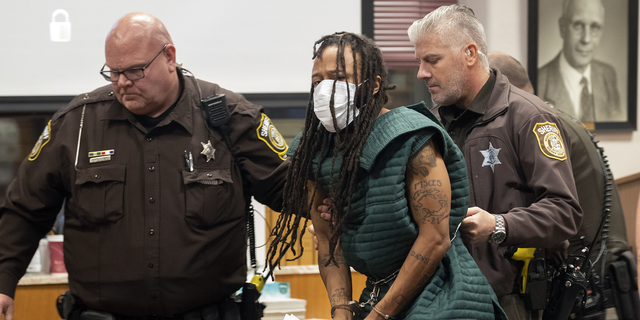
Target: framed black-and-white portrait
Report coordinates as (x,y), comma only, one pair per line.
(582,59)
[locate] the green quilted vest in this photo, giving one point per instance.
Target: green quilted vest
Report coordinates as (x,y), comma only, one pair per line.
(379,232)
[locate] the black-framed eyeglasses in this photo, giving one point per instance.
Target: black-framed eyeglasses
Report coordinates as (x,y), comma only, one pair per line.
(131,74)
(579,27)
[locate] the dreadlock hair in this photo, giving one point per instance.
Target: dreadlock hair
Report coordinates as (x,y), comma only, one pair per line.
(315,143)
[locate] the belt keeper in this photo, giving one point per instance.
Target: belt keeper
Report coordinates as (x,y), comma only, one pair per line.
(348,306)
(385,316)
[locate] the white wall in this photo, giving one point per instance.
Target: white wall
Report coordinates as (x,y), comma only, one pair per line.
(505,23)
(244,45)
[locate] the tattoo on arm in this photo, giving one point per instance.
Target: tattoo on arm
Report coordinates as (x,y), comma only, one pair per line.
(433,215)
(339,295)
(420,163)
(341,261)
(419,257)
(428,183)
(422,282)
(401,300)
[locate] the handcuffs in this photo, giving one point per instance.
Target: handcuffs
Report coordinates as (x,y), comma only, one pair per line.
(354,306)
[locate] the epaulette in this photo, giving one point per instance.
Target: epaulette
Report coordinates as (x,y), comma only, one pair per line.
(98,95)
(237,103)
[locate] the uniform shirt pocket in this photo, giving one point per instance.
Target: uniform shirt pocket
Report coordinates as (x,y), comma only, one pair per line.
(207,196)
(494,180)
(99,193)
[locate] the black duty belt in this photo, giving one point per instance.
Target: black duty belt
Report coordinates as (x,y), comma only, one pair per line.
(210,312)
(71,307)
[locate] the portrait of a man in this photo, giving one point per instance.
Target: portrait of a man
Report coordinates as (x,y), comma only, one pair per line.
(575,80)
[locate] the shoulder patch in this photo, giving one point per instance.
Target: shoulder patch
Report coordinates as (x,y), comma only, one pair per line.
(550,140)
(44,139)
(268,133)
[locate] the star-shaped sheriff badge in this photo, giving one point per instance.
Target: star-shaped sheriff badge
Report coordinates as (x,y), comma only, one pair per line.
(491,157)
(208,150)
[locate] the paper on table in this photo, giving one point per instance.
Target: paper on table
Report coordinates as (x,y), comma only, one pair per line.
(290,317)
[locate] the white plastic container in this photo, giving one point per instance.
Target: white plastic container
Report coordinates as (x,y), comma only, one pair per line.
(277,309)
(40,263)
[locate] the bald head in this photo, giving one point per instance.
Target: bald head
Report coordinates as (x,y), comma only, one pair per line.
(140,41)
(139,28)
(512,69)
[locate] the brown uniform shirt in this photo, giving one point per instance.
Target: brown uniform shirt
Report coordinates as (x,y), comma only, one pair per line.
(518,164)
(144,235)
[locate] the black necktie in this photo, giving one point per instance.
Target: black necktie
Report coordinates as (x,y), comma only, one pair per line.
(586,102)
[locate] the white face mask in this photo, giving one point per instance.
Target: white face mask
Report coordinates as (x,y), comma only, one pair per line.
(322,97)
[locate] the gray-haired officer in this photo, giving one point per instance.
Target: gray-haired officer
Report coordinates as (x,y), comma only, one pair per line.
(522,188)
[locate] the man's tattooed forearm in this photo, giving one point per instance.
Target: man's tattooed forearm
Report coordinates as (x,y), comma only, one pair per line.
(401,300)
(339,296)
(419,257)
(412,289)
(422,282)
(341,261)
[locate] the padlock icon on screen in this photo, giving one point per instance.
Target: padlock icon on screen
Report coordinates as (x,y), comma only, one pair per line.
(60,31)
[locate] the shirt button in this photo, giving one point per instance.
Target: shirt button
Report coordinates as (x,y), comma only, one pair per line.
(152,168)
(152,200)
(150,265)
(149,139)
(151,232)
(209,175)
(97,176)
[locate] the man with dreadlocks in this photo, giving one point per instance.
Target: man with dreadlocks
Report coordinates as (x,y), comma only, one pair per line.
(523,193)
(399,188)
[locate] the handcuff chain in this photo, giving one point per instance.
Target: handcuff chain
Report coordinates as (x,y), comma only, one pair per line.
(373,297)
(387,279)
(453,237)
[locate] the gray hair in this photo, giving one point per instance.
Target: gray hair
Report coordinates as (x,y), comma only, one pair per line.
(567,13)
(456,25)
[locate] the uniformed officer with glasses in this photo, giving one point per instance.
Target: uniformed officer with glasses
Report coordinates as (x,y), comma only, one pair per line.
(154,197)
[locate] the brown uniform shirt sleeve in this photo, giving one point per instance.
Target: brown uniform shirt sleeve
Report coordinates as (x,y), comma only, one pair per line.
(260,151)
(555,214)
(33,201)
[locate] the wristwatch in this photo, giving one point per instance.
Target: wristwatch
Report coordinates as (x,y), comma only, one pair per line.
(499,234)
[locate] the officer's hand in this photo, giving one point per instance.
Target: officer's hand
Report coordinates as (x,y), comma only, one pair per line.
(477,226)
(6,306)
(325,212)
(312,230)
